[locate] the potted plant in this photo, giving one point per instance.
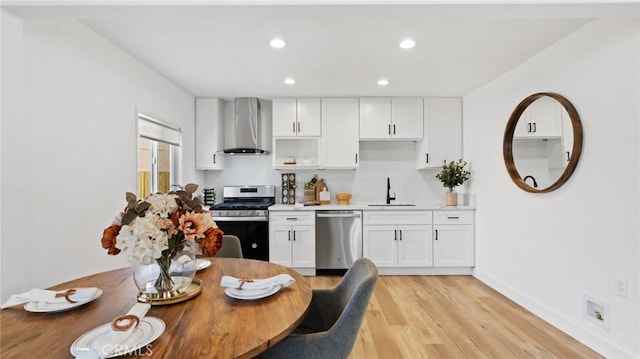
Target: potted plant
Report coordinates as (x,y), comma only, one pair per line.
(453,174)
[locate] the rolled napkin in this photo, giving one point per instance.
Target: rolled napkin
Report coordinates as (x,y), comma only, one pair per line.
(121,329)
(284,280)
(52,297)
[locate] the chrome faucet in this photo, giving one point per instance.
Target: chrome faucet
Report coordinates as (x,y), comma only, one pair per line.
(389,198)
(535,184)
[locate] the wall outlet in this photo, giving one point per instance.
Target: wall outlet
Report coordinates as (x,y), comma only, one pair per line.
(597,311)
(621,288)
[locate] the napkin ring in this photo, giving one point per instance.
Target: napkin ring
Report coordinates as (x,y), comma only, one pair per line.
(66,295)
(243,281)
(133,321)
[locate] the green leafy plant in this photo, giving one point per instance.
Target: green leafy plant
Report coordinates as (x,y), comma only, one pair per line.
(312,183)
(453,174)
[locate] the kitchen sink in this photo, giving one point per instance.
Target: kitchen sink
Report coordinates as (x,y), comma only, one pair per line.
(391,205)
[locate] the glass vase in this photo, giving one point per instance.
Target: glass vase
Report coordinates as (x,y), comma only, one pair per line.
(168,276)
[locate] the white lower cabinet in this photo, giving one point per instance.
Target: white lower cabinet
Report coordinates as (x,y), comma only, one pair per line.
(397,241)
(292,239)
(453,239)
(419,239)
(398,238)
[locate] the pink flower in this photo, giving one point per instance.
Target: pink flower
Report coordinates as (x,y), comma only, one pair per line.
(192,226)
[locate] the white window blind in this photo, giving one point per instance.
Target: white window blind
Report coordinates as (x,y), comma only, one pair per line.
(157,130)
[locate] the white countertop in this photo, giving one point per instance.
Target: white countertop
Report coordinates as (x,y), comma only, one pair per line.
(347,207)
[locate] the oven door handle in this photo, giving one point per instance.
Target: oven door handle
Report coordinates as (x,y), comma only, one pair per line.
(241,219)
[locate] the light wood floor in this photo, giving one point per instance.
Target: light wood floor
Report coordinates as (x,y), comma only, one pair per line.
(452,317)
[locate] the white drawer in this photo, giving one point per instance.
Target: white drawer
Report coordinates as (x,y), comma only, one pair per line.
(292,218)
(453,217)
(396,217)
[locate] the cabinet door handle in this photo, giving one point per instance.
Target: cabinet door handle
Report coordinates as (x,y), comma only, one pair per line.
(357,157)
(214,158)
(294,235)
(395,235)
(289,233)
(294,127)
(298,127)
(394,129)
(534,128)
(436,234)
(400,234)
(427,155)
(529,127)
(568,156)
(389,129)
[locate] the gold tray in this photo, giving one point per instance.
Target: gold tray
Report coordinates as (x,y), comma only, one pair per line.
(191,291)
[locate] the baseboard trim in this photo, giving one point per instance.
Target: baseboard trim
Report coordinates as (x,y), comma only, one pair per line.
(576,330)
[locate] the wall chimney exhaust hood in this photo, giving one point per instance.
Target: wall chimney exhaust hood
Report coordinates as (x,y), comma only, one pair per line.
(247,129)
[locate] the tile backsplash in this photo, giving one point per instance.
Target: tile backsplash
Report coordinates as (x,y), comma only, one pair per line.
(367,184)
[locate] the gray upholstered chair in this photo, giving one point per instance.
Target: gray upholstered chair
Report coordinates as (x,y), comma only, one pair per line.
(331,327)
(230,247)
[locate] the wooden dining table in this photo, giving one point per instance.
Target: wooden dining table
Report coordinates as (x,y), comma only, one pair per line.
(208,325)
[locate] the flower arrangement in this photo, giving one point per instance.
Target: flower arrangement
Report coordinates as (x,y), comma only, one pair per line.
(453,174)
(158,227)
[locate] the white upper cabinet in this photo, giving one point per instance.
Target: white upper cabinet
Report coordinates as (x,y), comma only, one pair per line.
(391,119)
(296,117)
(340,133)
(442,132)
(542,119)
(567,137)
(284,116)
(209,134)
(375,118)
(407,118)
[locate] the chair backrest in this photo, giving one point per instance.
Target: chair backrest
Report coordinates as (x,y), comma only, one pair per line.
(353,294)
(231,247)
(337,316)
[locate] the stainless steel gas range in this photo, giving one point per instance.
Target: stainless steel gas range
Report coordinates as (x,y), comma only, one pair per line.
(244,213)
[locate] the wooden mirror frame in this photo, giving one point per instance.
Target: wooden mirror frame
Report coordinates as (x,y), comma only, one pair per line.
(507,144)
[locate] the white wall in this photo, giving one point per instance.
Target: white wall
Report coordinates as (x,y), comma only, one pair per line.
(14,253)
(69,153)
(547,251)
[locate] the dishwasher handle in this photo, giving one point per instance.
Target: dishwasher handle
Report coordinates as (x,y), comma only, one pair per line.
(337,215)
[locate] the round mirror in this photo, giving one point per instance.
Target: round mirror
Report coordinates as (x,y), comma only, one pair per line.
(542,142)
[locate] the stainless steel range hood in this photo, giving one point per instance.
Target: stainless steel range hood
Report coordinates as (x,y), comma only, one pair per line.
(247,129)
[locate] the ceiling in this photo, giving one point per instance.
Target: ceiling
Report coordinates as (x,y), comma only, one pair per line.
(215,49)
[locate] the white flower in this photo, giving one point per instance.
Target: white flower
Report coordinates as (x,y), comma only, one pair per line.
(207,220)
(142,240)
(162,204)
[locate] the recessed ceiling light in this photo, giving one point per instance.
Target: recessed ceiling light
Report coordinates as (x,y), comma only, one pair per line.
(277,43)
(407,44)
(289,81)
(383,82)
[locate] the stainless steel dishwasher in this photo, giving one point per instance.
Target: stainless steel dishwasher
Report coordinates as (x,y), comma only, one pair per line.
(338,240)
